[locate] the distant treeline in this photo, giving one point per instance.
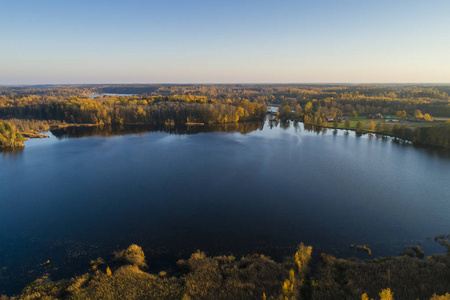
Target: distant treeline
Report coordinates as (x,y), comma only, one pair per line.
(141,109)
(278,91)
(362,99)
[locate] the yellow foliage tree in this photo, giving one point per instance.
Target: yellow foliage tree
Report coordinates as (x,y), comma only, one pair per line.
(288,288)
(443,297)
(427,117)
(303,256)
(364,297)
(386,294)
(401,114)
(418,114)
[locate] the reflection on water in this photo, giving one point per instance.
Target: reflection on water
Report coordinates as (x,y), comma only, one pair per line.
(77,132)
(11,152)
(243,128)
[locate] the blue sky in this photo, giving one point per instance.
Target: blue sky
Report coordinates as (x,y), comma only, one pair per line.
(224,41)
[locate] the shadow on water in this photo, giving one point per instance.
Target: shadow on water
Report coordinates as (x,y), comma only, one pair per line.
(11,153)
(78,132)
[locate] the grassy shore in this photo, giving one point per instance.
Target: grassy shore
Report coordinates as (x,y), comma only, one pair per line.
(253,277)
(32,129)
(365,123)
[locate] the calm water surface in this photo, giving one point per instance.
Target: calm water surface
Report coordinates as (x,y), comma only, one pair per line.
(250,188)
(109,94)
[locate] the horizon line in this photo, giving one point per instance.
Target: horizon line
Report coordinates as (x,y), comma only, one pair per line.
(231,83)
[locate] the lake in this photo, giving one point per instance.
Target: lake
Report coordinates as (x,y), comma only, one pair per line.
(109,94)
(239,189)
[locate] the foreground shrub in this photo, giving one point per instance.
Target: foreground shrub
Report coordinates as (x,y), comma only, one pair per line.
(133,255)
(443,297)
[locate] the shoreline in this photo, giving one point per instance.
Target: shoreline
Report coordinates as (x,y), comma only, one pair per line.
(318,278)
(33,135)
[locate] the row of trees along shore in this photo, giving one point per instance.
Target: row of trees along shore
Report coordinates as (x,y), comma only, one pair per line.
(142,109)
(437,134)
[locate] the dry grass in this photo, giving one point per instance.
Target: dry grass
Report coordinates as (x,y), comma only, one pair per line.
(30,126)
(408,278)
(133,255)
(255,277)
(201,277)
